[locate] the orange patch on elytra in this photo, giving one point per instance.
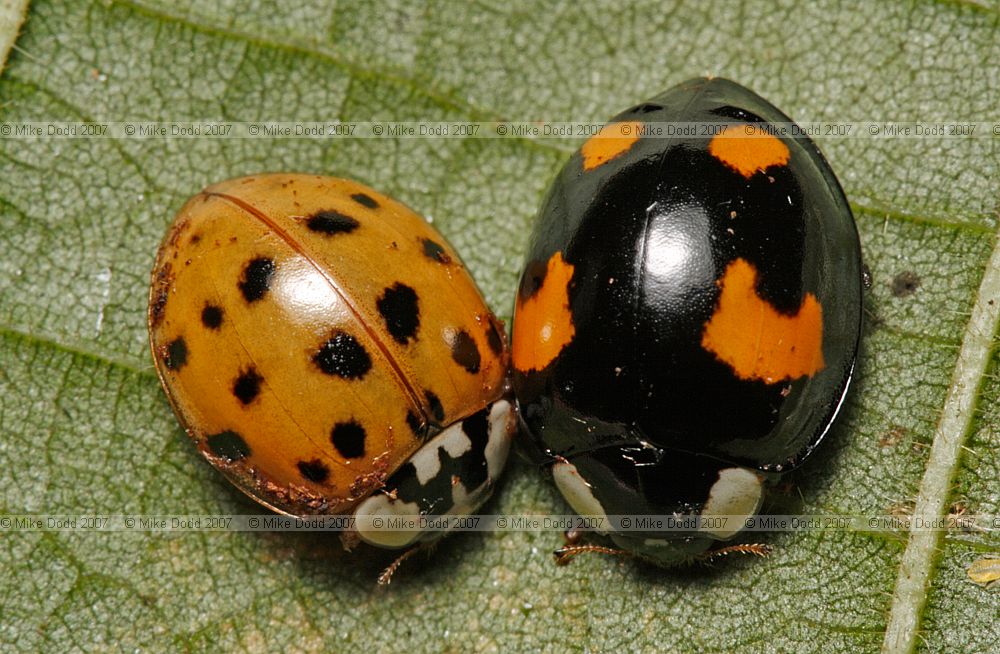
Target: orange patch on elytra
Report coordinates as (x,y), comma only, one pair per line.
(747,149)
(612,141)
(759,343)
(543,323)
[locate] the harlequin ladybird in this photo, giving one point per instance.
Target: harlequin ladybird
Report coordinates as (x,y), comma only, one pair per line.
(328,352)
(688,317)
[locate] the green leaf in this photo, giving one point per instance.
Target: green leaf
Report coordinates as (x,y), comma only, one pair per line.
(84,427)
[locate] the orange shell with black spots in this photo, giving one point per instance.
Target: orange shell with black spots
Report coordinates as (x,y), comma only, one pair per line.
(311,332)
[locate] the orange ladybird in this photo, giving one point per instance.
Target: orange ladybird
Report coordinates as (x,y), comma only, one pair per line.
(327,351)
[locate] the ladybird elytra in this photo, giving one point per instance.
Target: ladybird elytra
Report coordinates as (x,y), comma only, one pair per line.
(689,313)
(313,336)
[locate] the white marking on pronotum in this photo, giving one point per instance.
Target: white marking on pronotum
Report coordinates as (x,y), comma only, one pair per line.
(737,492)
(503,424)
(457,442)
(910,595)
(578,492)
(427,461)
(381,505)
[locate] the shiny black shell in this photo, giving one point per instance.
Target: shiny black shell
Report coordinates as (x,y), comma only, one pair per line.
(615,370)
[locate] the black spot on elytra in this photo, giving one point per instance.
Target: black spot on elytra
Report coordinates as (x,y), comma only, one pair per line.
(247,386)
(256,280)
(434,403)
(349,439)
(533,278)
(176,354)
(331,222)
(344,356)
(465,352)
(435,251)
(905,283)
(398,306)
(415,424)
(211,316)
(315,470)
(228,445)
(365,200)
(493,338)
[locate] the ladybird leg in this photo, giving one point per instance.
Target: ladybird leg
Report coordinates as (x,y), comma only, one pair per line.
(757,549)
(566,553)
(452,474)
